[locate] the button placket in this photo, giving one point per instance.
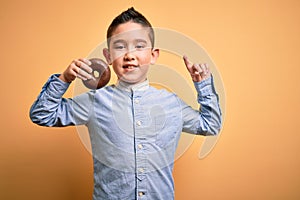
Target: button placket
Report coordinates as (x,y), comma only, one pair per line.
(140,157)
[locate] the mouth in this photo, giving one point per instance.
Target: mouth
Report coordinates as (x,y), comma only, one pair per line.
(130,67)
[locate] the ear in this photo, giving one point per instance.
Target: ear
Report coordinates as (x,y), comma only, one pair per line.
(106,54)
(154,56)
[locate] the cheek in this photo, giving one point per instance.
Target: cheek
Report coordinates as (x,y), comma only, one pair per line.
(117,71)
(116,67)
(117,61)
(116,55)
(144,57)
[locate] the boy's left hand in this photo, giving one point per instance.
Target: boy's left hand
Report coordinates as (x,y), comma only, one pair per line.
(198,72)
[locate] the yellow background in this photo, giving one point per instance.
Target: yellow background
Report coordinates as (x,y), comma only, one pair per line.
(255,45)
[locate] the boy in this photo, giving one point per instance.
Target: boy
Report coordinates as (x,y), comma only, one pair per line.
(134,128)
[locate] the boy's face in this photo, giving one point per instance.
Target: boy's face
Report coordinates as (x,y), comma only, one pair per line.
(130,52)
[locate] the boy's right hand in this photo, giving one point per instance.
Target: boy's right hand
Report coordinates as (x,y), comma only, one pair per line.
(78,68)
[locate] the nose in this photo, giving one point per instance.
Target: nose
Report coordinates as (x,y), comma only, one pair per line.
(129,56)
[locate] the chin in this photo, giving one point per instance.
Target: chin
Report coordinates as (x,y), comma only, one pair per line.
(132,81)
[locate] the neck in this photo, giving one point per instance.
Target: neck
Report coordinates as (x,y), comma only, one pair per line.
(133,86)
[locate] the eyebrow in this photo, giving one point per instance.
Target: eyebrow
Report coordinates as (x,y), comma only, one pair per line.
(140,40)
(124,41)
(119,41)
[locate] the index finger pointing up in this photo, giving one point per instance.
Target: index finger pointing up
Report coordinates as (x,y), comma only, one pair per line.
(188,64)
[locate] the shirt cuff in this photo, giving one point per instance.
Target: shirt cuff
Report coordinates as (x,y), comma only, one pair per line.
(56,87)
(205,87)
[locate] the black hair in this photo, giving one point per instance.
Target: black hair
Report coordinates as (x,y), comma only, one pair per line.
(130,15)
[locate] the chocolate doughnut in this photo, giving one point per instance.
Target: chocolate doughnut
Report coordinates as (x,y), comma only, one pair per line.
(101,74)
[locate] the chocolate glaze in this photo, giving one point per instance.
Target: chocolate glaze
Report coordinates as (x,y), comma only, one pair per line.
(103,70)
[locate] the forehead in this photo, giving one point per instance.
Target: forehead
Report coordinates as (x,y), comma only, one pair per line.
(130,31)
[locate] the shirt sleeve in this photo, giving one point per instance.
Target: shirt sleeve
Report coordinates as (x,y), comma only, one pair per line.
(208,119)
(50,109)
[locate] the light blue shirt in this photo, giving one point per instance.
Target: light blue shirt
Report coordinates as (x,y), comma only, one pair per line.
(134,132)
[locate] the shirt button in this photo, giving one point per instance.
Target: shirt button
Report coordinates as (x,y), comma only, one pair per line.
(140,146)
(138,123)
(136,101)
(141,194)
(141,170)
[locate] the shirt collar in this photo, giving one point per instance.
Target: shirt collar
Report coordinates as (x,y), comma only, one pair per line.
(133,87)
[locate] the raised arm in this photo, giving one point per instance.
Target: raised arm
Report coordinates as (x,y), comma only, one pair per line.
(50,109)
(208,119)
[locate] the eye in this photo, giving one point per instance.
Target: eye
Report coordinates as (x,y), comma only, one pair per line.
(140,46)
(119,47)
